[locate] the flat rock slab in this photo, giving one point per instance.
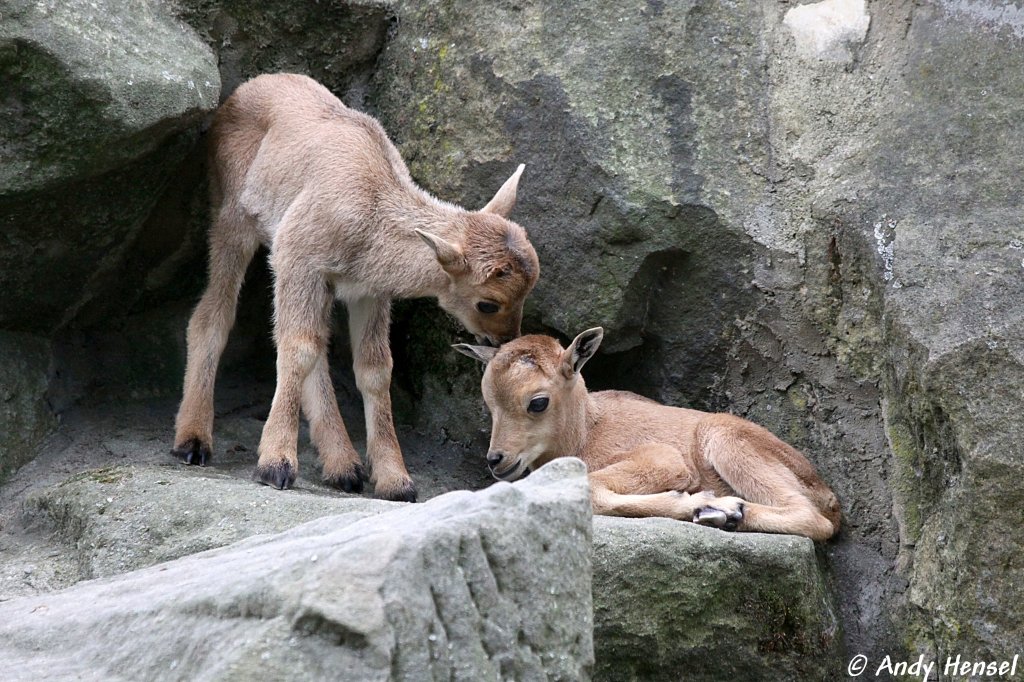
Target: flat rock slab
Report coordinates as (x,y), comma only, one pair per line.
(121,518)
(677,601)
(468,586)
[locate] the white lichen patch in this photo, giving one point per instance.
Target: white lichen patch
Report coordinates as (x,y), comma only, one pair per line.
(885,238)
(997,15)
(828,29)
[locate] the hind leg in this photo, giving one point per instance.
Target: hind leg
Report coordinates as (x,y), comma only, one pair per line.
(749,460)
(796,518)
(232,244)
(341,465)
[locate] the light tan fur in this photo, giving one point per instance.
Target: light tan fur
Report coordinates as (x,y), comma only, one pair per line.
(322,187)
(645,459)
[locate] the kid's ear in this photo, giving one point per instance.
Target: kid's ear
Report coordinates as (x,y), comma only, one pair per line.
(482,353)
(505,200)
(449,255)
(580,350)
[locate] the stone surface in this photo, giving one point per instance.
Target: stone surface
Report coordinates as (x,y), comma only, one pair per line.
(94,85)
(668,596)
(104,495)
(912,181)
(376,598)
(665,206)
(828,29)
(677,601)
(121,518)
(103,101)
(337,42)
(801,213)
(25,415)
(824,241)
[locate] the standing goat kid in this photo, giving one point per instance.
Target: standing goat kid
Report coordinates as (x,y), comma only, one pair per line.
(322,187)
(645,459)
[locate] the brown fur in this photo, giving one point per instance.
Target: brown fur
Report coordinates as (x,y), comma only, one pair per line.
(646,459)
(322,187)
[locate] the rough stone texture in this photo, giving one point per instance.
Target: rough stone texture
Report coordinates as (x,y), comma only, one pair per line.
(599,104)
(375,599)
(121,518)
(678,601)
(911,148)
(57,526)
(652,191)
(93,85)
(823,240)
(102,101)
(335,42)
(668,596)
(25,417)
(807,222)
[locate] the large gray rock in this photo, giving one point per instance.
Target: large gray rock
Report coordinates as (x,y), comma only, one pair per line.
(809,220)
(95,85)
(468,586)
(102,101)
(336,43)
(804,214)
(603,106)
(910,157)
(678,601)
(143,508)
(653,194)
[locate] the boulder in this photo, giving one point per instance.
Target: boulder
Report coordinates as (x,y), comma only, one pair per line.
(468,586)
(654,191)
(336,43)
(911,151)
(103,100)
(800,213)
(678,601)
(611,122)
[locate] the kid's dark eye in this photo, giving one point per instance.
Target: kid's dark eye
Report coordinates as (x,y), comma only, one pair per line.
(487,307)
(537,405)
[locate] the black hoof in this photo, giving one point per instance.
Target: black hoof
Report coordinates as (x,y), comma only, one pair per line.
(280,475)
(351,482)
(193,451)
(406,492)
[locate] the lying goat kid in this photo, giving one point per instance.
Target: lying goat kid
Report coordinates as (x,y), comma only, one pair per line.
(645,459)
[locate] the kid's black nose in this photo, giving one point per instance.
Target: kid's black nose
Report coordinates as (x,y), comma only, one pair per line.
(494,459)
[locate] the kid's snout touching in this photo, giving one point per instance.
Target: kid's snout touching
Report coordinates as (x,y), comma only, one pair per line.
(505,468)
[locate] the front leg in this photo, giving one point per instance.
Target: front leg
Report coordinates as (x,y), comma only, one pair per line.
(369,324)
(655,480)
